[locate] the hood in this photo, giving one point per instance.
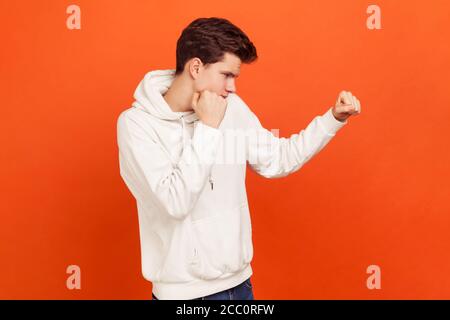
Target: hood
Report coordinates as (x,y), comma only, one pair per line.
(149,96)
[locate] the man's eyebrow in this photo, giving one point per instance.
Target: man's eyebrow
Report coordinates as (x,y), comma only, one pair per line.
(229,72)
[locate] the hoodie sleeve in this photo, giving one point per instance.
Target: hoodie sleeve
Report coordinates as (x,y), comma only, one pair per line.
(151,176)
(274,157)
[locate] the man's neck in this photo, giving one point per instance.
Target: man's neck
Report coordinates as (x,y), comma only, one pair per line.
(179,95)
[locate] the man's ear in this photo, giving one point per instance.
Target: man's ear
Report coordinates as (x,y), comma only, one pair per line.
(195,67)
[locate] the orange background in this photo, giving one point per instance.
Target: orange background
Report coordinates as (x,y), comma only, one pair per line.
(375,195)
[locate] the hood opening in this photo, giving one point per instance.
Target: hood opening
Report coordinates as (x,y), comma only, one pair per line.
(149,96)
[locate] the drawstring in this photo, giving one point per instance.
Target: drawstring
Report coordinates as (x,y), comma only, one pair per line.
(211,181)
(182,128)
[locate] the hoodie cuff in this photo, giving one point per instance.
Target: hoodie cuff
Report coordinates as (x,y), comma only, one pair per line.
(210,132)
(330,124)
(206,140)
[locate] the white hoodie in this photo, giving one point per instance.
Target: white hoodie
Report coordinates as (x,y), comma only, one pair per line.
(194,220)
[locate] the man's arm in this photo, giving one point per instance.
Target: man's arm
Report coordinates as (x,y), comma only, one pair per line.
(274,157)
(149,173)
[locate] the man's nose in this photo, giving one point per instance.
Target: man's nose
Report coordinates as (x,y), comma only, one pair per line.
(231,87)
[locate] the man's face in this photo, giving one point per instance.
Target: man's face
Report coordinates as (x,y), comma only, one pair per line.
(219,77)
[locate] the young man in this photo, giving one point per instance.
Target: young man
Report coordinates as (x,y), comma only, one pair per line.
(195,228)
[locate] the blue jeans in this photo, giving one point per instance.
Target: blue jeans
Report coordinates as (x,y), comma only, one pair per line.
(244,291)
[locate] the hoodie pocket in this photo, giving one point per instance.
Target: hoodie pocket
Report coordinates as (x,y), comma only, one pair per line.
(178,255)
(222,243)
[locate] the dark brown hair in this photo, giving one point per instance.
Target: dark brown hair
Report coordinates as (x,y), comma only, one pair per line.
(209,38)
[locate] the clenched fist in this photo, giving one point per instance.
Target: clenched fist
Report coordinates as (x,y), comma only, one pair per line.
(346,105)
(210,107)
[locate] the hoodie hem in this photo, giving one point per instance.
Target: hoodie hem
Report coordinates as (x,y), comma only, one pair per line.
(199,288)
